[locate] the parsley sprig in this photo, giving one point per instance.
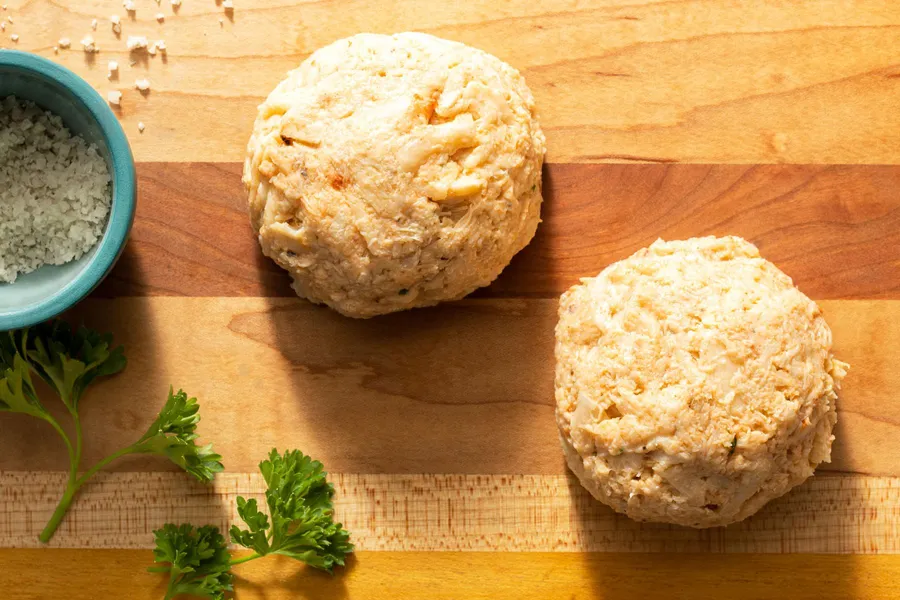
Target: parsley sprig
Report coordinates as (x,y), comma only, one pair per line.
(299,524)
(69,361)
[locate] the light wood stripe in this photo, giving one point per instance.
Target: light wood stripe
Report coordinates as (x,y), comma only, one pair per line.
(828,514)
(463,388)
(691,81)
(93,574)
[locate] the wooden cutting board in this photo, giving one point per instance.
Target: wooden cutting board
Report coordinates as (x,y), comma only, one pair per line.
(437,425)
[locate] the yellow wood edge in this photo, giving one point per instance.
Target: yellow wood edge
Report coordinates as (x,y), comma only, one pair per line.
(101,574)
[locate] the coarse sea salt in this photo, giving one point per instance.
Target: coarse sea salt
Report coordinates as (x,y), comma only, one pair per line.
(54,191)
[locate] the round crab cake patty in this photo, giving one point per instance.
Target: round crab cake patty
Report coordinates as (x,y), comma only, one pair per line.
(694,383)
(391,172)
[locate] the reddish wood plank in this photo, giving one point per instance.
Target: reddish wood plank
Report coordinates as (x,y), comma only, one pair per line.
(835,230)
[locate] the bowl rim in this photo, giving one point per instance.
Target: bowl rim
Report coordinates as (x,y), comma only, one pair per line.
(122,203)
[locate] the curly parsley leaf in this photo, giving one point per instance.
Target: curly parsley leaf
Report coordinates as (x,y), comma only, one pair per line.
(173,435)
(302,526)
(70,360)
(198,561)
(255,536)
(17,393)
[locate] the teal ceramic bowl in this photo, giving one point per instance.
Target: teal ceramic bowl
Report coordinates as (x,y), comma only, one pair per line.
(50,290)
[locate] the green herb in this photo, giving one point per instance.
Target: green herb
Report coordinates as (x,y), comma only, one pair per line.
(733,446)
(69,361)
(198,561)
(299,524)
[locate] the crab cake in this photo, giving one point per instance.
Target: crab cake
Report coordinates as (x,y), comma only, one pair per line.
(694,383)
(392,172)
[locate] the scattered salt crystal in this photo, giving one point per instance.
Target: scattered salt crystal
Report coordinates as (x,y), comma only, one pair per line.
(88,44)
(136,42)
(151,50)
(14,37)
(129,5)
(114,97)
(55,49)
(116,24)
(160,17)
(141,126)
(176,3)
(228,5)
(2,26)
(113,68)
(64,42)
(9,19)
(142,84)
(161,46)
(94,24)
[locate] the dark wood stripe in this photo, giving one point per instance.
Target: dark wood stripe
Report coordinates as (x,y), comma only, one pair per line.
(834,229)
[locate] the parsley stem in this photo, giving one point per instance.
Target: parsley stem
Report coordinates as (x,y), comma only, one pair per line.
(249,557)
(58,514)
(55,425)
(170,589)
(75,463)
(75,484)
(102,463)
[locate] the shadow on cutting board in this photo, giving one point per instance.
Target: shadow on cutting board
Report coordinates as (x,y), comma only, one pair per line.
(461,388)
(121,505)
(115,410)
(750,559)
(283,577)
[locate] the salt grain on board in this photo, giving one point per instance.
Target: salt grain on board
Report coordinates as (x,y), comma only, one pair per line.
(136,42)
(88,44)
(114,97)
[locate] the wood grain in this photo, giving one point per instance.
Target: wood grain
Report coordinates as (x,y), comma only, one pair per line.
(463,388)
(499,513)
(92,574)
(835,230)
(689,81)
